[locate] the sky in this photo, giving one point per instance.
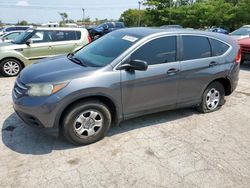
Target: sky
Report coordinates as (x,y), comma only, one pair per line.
(43,11)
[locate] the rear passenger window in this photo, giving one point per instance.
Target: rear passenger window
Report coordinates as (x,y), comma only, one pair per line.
(157,51)
(64,35)
(195,47)
(218,48)
(78,35)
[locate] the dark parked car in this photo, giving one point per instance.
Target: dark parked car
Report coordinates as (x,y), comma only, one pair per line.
(125,74)
(219,30)
(245,49)
(105,28)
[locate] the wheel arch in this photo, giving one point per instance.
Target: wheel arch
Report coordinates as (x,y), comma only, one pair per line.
(106,100)
(226,84)
(23,65)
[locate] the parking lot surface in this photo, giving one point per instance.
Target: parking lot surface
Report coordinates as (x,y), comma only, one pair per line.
(180,148)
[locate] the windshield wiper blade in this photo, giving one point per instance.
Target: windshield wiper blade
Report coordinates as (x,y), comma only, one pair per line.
(76,60)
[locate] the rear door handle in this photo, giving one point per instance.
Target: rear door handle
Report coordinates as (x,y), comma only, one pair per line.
(172,71)
(213,63)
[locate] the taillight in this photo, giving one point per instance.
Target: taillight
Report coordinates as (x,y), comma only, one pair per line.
(238,56)
(89,38)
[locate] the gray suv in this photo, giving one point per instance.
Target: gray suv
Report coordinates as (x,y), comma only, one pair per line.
(125,74)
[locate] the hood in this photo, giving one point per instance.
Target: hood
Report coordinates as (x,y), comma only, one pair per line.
(245,41)
(3,44)
(56,69)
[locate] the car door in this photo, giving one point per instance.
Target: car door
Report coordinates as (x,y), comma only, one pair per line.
(41,45)
(66,41)
(198,68)
(155,88)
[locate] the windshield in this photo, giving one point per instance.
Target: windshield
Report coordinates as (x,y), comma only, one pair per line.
(241,31)
(104,50)
(21,38)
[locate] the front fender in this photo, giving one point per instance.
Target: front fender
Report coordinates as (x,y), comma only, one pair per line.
(16,55)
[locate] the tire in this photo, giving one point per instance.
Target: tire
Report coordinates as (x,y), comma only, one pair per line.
(213,98)
(86,122)
(242,61)
(10,67)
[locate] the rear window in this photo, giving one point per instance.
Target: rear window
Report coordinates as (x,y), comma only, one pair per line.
(218,48)
(195,47)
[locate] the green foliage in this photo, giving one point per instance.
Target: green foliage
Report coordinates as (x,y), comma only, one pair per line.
(134,17)
(23,22)
(63,15)
(229,14)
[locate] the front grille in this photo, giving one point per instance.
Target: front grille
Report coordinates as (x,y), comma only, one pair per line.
(245,49)
(19,89)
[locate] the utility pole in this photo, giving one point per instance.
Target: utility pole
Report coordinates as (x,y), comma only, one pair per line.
(139,19)
(169,12)
(83,15)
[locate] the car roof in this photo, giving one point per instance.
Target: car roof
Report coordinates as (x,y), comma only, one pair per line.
(59,28)
(146,32)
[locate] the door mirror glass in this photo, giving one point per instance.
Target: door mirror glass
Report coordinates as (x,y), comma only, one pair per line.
(138,65)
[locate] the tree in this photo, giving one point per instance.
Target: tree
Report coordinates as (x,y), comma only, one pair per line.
(23,22)
(63,15)
(1,23)
(134,17)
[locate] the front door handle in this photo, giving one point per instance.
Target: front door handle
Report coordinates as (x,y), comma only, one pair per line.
(172,71)
(213,63)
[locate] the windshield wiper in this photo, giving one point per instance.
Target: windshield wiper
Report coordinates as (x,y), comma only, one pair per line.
(75,60)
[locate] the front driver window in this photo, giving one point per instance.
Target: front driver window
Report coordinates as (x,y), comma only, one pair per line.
(157,51)
(42,36)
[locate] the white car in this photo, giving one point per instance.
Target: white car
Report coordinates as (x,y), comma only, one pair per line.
(8,37)
(241,33)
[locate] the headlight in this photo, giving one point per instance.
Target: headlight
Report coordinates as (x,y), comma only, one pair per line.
(44,89)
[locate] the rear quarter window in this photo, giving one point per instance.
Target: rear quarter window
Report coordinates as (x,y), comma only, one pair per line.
(195,47)
(218,47)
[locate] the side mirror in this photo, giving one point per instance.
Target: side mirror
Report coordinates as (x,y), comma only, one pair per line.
(138,65)
(28,42)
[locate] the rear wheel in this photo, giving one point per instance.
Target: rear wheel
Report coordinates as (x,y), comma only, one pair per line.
(10,67)
(86,122)
(213,98)
(242,61)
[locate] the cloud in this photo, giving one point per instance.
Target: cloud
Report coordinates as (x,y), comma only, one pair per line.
(23,3)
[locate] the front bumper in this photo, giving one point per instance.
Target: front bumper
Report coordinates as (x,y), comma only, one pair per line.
(36,111)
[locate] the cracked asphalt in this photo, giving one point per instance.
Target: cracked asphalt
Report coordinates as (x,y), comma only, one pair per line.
(179,148)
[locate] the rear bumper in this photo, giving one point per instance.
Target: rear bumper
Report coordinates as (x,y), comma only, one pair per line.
(234,76)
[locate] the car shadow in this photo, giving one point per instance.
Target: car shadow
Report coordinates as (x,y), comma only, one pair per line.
(37,141)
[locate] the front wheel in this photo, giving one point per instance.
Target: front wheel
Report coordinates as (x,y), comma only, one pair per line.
(10,67)
(213,98)
(86,122)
